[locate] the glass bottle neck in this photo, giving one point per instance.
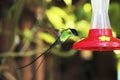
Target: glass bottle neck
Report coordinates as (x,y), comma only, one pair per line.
(100,21)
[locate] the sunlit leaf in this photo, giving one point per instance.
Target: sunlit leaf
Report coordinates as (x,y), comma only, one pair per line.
(48,1)
(27,34)
(83,27)
(87,7)
(68,2)
(60,19)
(47,37)
(55,16)
(59,11)
(70,21)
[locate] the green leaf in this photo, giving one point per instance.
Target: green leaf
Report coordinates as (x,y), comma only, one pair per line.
(114,14)
(47,37)
(10,12)
(68,2)
(57,17)
(83,27)
(87,7)
(27,34)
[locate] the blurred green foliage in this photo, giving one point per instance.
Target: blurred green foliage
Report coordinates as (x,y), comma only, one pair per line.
(68,2)
(47,37)
(114,14)
(27,34)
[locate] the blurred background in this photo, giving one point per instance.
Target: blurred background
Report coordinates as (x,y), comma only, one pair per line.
(29,27)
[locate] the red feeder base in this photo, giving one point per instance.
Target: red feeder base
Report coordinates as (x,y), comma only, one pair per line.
(98,40)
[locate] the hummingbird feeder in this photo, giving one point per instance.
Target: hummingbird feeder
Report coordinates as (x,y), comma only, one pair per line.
(100,36)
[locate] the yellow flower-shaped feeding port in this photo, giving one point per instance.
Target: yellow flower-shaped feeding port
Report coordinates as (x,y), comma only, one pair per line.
(104,38)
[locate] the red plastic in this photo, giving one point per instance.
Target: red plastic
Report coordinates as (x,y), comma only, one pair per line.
(98,40)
